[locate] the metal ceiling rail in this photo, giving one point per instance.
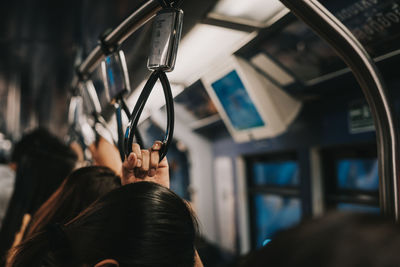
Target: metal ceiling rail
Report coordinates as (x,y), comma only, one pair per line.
(329,28)
(117,36)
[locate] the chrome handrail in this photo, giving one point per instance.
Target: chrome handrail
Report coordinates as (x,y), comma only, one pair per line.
(329,28)
(117,36)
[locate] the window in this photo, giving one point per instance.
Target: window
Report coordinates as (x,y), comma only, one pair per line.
(351,178)
(357,208)
(357,174)
(274,195)
(273,213)
(278,173)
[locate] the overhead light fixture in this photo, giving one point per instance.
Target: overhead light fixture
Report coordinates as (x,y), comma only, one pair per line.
(204,46)
(251,12)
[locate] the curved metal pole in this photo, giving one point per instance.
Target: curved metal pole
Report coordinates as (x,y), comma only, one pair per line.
(136,20)
(329,28)
(116,37)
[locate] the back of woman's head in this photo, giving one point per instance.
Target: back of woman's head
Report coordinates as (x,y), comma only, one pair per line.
(43,162)
(76,193)
(337,239)
(141,224)
(39,140)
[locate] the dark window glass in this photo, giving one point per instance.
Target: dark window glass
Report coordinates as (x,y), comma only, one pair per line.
(284,173)
(376,24)
(357,174)
(273,213)
(357,208)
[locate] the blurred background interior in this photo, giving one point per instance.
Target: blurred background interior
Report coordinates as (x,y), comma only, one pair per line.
(318,154)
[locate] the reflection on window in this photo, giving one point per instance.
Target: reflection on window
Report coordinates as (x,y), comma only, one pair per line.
(274,213)
(358,174)
(276,173)
(374,23)
(357,208)
(302,52)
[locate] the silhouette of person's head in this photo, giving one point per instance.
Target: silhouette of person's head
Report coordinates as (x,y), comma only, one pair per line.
(43,161)
(337,239)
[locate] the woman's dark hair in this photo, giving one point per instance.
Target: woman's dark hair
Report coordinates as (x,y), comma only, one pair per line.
(43,161)
(141,224)
(337,239)
(81,188)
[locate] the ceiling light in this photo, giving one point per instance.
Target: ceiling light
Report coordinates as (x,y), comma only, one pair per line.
(204,46)
(259,11)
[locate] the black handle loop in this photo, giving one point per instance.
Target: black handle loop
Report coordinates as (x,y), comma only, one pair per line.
(137,112)
(121,106)
(120,132)
(138,136)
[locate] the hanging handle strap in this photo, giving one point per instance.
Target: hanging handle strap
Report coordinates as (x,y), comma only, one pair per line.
(137,112)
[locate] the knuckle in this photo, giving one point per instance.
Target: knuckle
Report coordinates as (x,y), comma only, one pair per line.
(145,168)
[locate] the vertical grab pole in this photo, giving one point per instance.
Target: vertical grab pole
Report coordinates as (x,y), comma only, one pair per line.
(329,28)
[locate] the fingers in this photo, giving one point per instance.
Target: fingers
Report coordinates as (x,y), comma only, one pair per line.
(143,171)
(154,158)
(127,168)
(130,162)
(144,163)
(156,146)
(145,160)
(136,149)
